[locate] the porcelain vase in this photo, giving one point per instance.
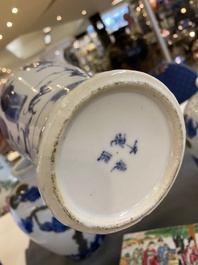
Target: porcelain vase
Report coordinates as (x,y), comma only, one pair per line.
(95,141)
(33,216)
(191,122)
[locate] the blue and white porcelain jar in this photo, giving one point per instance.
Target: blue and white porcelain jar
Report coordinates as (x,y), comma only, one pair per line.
(35,219)
(95,141)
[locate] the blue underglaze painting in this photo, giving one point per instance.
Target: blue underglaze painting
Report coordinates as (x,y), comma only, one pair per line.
(27,224)
(23,101)
(84,250)
(12,103)
(25,194)
(191,127)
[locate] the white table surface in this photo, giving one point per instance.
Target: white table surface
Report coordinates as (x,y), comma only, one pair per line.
(13,242)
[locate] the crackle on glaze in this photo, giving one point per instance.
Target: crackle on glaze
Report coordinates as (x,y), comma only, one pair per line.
(28,99)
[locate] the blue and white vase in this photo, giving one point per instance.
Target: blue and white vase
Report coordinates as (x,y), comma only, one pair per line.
(95,141)
(191,122)
(33,216)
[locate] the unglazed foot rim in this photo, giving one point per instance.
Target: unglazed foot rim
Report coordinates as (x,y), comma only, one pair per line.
(119,132)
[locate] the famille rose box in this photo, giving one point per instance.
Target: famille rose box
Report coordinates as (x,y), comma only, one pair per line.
(164,246)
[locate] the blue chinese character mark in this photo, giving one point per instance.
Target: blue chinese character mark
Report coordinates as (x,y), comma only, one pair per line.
(120,166)
(133,148)
(105,156)
(119,140)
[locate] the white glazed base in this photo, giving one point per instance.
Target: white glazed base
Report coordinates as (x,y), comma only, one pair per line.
(114,150)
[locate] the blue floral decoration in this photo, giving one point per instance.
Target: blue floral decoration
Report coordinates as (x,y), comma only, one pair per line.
(54,226)
(26,225)
(191,129)
(46,227)
(94,245)
(57,226)
(12,103)
(31,195)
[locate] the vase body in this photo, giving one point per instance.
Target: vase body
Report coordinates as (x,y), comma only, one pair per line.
(191,122)
(7,182)
(89,137)
(33,216)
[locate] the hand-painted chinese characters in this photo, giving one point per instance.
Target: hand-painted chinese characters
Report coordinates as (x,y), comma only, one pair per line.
(120,141)
(121,166)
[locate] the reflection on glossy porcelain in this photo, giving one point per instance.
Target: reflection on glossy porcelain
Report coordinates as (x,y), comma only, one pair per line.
(35,219)
(32,101)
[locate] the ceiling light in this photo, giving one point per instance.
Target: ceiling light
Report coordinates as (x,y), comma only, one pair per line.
(9,24)
(1,37)
(14,10)
(57,52)
(58,18)
(47,30)
(192,34)
(84,12)
(183,10)
(115,2)
(3,81)
(47,38)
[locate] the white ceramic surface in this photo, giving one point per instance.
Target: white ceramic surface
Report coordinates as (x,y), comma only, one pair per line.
(106,152)
(33,216)
(114,151)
